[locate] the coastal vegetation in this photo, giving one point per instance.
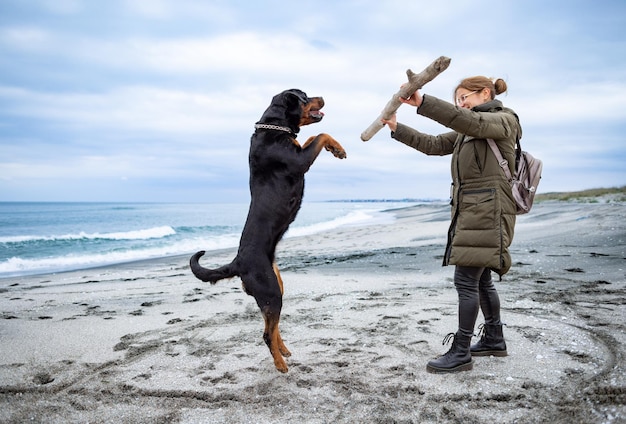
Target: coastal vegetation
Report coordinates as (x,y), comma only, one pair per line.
(610,194)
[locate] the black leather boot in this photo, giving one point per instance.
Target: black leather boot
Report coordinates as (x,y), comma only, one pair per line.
(458,358)
(491,342)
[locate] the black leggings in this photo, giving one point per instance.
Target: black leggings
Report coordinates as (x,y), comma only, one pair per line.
(475,289)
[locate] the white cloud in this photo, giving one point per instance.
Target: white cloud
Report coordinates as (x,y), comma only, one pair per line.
(168,10)
(63,7)
(173,88)
(24,38)
(135,108)
(150,8)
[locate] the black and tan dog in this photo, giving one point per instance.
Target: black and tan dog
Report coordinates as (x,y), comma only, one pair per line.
(277,167)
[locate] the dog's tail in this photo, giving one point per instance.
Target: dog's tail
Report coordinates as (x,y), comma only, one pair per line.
(210,275)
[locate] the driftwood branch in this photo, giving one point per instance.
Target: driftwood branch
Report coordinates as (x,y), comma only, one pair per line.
(416,81)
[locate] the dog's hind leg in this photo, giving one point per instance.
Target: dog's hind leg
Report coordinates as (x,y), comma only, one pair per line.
(272,338)
(266,290)
(280,280)
(281,345)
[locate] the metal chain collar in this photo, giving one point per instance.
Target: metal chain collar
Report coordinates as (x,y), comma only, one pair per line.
(272,127)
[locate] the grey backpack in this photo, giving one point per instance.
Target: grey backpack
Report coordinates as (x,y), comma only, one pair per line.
(527,175)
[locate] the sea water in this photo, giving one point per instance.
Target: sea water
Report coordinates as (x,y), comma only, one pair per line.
(37,238)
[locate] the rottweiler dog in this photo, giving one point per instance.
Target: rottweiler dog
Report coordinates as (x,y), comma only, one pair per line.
(277,166)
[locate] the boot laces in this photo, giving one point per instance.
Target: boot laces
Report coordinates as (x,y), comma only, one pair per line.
(482,331)
(446,340)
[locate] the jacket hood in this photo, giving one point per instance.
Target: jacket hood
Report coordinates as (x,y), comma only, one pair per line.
(497,106)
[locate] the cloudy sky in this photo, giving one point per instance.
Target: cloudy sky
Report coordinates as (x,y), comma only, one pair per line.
(155,100)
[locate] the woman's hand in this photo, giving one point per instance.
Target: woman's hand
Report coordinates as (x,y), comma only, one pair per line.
(392,122)
(414,99)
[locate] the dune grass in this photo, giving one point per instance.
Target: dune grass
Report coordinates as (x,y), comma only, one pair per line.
(612,194)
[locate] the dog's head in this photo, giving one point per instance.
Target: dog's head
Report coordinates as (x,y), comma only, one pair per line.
(293,108)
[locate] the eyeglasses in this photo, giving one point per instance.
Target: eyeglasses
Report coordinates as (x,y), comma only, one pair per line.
(460,100)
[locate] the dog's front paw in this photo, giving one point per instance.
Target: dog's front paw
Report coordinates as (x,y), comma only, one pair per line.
(337,150)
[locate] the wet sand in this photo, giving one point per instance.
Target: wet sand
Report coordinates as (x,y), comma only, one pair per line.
(365,308)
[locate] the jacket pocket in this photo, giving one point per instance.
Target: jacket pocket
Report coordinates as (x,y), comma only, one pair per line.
(477,209)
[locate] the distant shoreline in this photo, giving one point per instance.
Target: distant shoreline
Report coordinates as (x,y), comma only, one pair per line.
(619,193)
(615,193)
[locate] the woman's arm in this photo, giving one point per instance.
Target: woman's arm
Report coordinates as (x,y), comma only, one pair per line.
(501,125)
(441,145)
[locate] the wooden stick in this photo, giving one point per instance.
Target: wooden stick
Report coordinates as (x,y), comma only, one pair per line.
(416,81)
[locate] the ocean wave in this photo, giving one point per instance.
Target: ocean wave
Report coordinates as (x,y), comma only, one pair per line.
(145,234)
(15,266)
(358,217)
(72,250)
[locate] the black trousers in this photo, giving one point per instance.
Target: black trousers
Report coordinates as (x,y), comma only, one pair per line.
(475,289)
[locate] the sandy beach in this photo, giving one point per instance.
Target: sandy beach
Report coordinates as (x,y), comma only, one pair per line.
(365,308)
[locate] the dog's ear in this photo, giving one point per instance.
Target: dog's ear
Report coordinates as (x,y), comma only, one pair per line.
(294,100)
(299,94)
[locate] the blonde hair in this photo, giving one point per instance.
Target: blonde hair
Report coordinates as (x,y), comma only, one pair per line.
(496,85)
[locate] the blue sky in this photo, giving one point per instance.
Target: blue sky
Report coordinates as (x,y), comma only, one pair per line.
(155,100)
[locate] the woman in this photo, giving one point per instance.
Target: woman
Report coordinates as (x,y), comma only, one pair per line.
(483,209)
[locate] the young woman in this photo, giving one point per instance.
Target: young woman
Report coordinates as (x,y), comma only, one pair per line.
(483,209)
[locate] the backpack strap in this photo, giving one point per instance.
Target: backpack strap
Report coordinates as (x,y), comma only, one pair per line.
(504,164)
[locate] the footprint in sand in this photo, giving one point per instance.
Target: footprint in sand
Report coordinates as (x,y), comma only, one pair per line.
(43,378)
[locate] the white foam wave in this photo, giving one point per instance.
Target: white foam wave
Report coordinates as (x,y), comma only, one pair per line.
(16,266)
(145,234)
(358,217)
(19,266)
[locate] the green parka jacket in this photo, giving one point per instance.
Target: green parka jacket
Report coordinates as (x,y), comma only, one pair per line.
(483,208)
